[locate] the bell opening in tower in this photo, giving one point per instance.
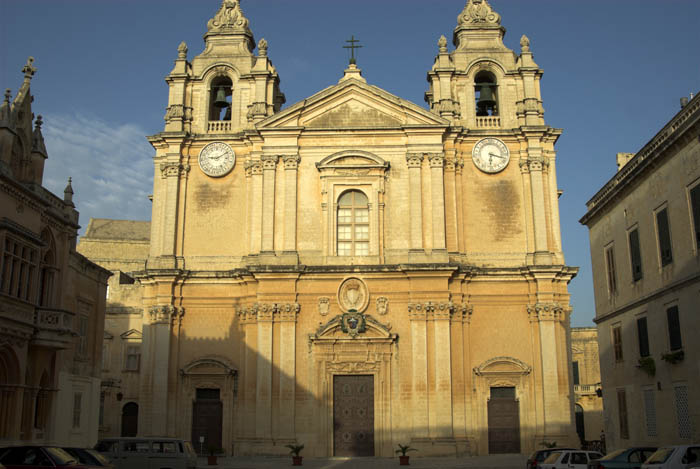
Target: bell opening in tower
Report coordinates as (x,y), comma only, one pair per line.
(220,96)
(485,94)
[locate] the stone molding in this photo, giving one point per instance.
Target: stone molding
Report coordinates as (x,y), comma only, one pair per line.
(546,312)
(519,367)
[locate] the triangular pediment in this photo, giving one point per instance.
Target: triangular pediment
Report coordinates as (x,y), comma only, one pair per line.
(131,334)
(352,104)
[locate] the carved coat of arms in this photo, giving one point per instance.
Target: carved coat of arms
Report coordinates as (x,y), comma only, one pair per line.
(353,323)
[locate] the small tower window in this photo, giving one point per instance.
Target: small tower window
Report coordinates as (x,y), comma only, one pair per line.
(485,92)
(220,99)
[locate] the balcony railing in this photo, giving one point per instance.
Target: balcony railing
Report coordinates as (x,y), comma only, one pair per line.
(54,327)
(488,122)
(584,388)
(219,127)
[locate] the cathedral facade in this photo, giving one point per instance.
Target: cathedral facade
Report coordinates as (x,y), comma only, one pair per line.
(353,271)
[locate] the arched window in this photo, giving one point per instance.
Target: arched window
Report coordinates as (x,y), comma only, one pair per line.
(580,425)
(353,224)
(485,93)
(220,96)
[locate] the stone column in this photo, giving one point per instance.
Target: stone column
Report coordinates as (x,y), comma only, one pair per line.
(547,315)
(287,318)
(170,172)
(254,169)
(419,358)
(269,165)
(291,166)
(415,222)
(437,189)
(443,371)
(263,402)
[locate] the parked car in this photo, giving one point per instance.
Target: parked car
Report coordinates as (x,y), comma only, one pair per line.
(39,457)
(629,458)
(674,457)
(148,453)
(569,459)
(540,455)
(88,457)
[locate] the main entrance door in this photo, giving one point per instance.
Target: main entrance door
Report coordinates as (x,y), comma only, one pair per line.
(353,415)
(207,417)
(504,421)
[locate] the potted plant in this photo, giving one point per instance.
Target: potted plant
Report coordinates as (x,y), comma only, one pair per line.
(403,449)
(213,450)
(673,357)
(647,365)
(294,450)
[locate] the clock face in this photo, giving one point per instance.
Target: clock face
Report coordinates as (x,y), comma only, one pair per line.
(217,159)
(490,155)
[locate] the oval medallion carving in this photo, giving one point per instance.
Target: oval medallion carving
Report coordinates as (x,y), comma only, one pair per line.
(353,295)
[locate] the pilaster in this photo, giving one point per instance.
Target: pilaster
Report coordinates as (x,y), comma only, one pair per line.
(419,357)
(291,166)
(414,161)
(269,168)
(437,189)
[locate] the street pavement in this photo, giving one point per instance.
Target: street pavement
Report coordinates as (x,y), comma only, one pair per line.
(500,461)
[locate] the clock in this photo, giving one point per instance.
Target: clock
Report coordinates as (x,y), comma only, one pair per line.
(217,159)
(490,155)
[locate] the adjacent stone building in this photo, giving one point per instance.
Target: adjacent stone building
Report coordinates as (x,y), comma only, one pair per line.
(645,236)
(52,299)
(353,271)
(585,364)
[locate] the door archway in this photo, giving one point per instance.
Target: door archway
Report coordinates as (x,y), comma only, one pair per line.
(130,419)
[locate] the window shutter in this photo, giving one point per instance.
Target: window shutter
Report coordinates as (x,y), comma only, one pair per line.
(664,237)
(674,328)
(695,204)
(643,335)
(635,255)
(576,375)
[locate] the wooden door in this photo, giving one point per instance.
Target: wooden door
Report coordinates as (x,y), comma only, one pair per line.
(207,419)
(353,415)
(503,421)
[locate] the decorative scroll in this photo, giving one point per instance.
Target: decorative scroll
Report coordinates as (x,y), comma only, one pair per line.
(229,18)
(478,12)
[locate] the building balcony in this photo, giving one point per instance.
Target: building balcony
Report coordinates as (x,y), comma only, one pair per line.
(585,389)
(488,122)
(54,328)
(219,127)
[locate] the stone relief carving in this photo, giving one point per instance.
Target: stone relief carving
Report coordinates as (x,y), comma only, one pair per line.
(173,169)
(229,18)
(352,367)
(440,310)
(478,11)
(353,295)
(517,366)
(353,324)
(268,312)
(382,305)
(324,305)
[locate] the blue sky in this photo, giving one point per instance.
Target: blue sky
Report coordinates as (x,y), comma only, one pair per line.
(614,73)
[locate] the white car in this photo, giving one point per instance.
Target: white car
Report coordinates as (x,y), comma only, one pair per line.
(674,457)
(570,459)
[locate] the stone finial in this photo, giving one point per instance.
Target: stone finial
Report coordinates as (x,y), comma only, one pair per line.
(262,47)
(7,95)
(478,12)
(229,18)
(442,44)
(182,51)
(29,69)
(68,193)
(5,110)
(38,144)
(525,43)
(38,122)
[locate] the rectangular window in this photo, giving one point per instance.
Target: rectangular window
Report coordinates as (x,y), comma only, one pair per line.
(685,429)
(105,357)
(133,357)
(643,336)
(617,342)
(77,403)
(695,208)
(622,413)
(82,336)
(674,328)
(576,377)
(610,267)
(664,233)
(18,269)
(635,255)
(650,411)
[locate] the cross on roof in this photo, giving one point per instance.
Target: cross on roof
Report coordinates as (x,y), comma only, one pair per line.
(352,48)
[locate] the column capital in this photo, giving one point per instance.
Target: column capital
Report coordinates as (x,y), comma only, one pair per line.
(253,167)
(164,314)
(414,160)
(269,162)
(540,312)
(436,160)
(291,161)
(173,169)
